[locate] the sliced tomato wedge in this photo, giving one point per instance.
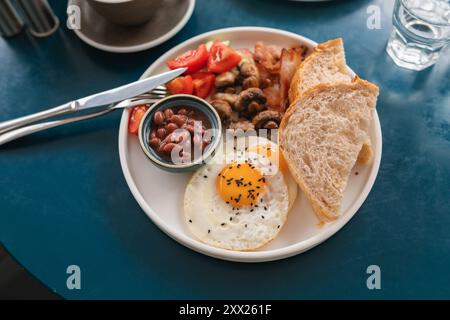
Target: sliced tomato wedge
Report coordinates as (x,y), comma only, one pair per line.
(203,83)
(181,85)
(222,58)
(136,115)
(193,60)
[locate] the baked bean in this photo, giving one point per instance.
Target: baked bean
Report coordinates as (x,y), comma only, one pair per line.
(170,138)
(152,134)
(161,133)
(168,147)
(182,111)
(171,127)
(179,119)
(154,142)
(158,118)
(161,147)
(168,113)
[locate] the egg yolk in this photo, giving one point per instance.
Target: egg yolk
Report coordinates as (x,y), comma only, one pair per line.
(240,184)
(270,152)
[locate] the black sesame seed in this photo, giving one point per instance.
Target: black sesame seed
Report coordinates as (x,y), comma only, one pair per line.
(262,217)
(246,226)
(205,176)
(190,221)
(222,224)
(265,208)
(209,231)
(231,218)
(251,210)
(356,173)
(278,227)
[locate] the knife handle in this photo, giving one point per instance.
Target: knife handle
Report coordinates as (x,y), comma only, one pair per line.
(29,119)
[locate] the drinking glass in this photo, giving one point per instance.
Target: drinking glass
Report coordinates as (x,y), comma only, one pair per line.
(421,31)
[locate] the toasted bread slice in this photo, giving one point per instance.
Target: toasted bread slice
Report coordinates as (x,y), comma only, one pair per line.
(325,64)
(321,136)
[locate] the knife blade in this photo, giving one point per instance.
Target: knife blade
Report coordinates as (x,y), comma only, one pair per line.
(127,91)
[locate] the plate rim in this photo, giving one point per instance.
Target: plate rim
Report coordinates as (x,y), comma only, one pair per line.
(244,256)
(141,47)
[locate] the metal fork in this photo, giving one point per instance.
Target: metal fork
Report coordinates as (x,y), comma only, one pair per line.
(148,98)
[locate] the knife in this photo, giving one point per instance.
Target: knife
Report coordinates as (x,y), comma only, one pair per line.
(99,99)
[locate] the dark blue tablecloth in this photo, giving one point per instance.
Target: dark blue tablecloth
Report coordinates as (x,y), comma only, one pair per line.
(64,199)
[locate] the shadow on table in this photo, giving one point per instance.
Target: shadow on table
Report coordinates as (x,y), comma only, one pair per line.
(17,283)
(407,84)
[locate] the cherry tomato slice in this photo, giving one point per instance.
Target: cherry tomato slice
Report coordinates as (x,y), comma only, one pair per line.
(203,83)
(181,85)
(222,58)
(194,60)
(136,115)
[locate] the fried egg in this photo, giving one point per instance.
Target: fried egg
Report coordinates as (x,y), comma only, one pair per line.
(241,198)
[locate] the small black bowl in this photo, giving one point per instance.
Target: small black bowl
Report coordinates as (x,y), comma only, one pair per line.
(173,101)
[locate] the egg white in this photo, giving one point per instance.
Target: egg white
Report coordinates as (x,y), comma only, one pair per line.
(216,223)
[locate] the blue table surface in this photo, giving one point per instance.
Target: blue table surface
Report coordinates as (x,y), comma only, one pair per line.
(64,200)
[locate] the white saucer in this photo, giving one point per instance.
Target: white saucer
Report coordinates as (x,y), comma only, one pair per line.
(98,32)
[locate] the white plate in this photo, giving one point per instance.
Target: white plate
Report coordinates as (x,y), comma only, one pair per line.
(160,194)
